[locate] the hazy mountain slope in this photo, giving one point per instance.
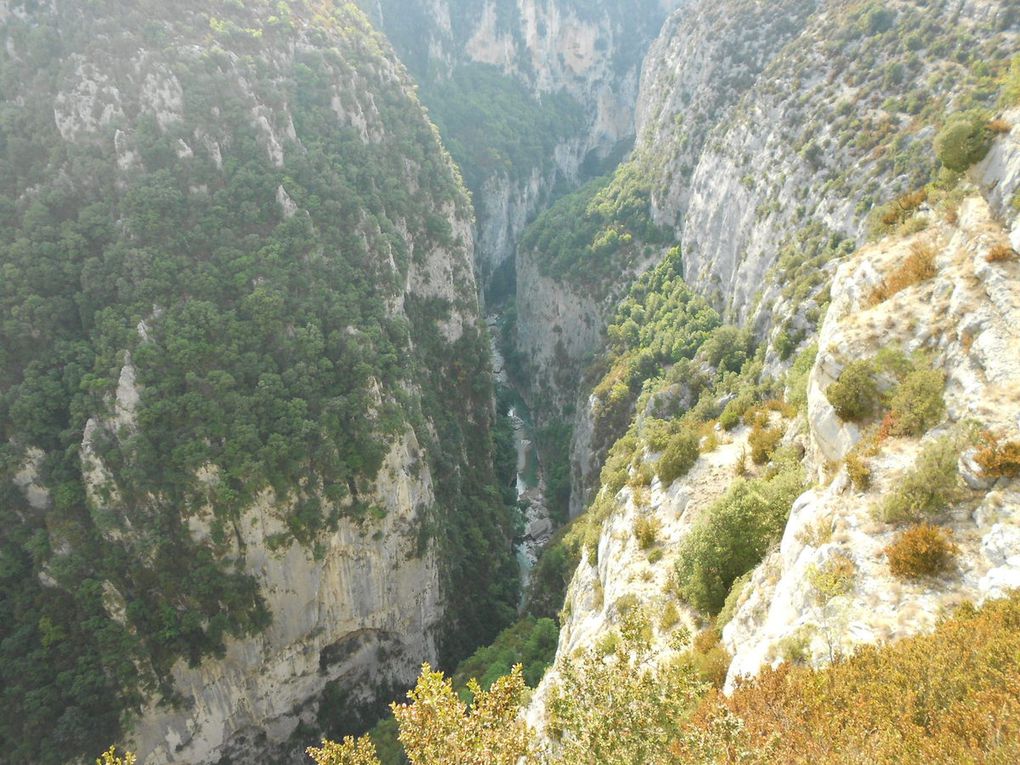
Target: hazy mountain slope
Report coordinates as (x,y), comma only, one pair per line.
(530,96)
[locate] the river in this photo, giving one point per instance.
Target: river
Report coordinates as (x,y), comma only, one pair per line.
(538,526)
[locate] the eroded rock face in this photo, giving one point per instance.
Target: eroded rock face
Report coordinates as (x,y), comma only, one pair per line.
(966,318)
(369,593)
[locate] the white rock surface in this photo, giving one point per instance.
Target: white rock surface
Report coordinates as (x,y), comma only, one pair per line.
(968,317)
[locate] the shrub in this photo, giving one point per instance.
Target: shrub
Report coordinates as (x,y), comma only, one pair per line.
(929,488)
(859,471)
(730,605)
(855,395)
(708,658)
(834,577)
(646,531)
(997,459)
(918,267)
(797,378)
(1000,253)
(796,648)
(670,616)
(899,210)
(731,537)
(1011,84)
(946,697)
(734,411)
(920,551)
(964,140)
(917,404)
(679,456)
(763,442)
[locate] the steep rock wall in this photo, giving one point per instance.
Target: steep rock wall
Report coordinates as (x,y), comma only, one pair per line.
(966,318)
(205,159)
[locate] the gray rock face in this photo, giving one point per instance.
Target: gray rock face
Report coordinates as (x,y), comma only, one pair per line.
(368,594)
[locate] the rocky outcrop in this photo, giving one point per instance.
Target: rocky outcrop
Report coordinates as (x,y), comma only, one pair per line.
(367,593)
(966,318)
(707,57)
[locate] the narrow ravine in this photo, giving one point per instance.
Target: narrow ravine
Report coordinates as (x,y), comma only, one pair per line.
(538,526)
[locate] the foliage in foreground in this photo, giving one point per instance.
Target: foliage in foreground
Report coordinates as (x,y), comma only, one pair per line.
(438,727)
(949,697)
(952,696)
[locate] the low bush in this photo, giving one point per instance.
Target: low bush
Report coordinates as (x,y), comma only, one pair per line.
(919,266)
(646,531)
(834,577)
(708,658)
(763,442)
(732,602)
(929,488)
(916,405)
(1011,84)
(963,141)
(733,412)
(946,697)
(732,536)
(998,459)
(669,617)
(900,209)
(679,457)
(859,471)
(1001,253)
(920,551)
(855,395)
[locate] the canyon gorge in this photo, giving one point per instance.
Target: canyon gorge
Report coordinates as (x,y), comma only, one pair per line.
(340,338)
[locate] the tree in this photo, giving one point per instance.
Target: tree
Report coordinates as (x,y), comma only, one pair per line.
(963,141)
(438,728)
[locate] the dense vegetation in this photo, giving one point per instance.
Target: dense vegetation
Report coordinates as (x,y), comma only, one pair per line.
(263,342)
(732,536)
(950,696)
(587,237)
(493,126)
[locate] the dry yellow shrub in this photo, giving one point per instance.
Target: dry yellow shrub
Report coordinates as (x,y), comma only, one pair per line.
(918,267)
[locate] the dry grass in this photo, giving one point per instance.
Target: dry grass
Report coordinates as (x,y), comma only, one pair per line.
(918,267)
(1000,253)
(949,697)
(902,208)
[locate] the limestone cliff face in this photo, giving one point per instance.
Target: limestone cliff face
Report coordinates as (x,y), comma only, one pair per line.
(707,57)
(344,558)
(822,126)
(966,317)
(361,613)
